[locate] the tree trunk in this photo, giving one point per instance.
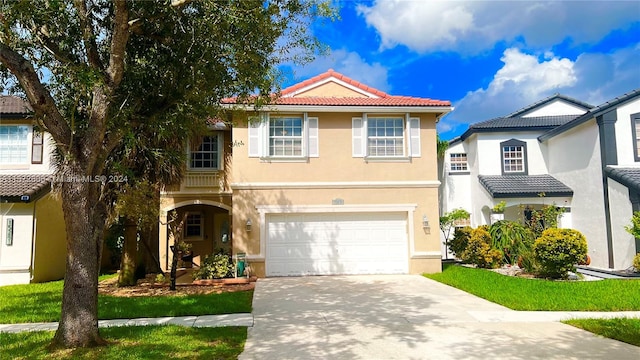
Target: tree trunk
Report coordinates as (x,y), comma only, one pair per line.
(149,240)
(84,217)
(174,268)
(128,264)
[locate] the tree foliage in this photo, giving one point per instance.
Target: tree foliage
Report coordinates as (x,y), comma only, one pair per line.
(96,71)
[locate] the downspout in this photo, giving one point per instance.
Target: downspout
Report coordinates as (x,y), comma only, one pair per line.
(608,156)
(33,241)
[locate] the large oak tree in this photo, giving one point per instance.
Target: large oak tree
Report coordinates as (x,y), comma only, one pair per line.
(94,70)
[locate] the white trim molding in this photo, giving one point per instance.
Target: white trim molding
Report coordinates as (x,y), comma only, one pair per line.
(336,185)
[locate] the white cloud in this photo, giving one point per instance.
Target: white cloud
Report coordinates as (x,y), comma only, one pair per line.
(524,79)
(474,26)
(350,64)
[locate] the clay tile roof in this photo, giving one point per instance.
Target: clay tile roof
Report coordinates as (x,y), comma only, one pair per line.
(515,186)
(13,105)
(14,187)
(381,98)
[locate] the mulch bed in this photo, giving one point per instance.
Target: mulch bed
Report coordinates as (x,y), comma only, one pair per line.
(148,287)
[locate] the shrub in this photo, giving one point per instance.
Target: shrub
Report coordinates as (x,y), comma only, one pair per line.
(216,266)
(558,250)
(479,251)
(512,238)
(458,244)
(636,262)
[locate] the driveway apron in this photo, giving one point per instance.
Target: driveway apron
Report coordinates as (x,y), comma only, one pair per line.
(404,317)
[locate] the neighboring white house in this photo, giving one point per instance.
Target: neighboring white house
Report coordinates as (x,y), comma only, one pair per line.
(557,151)
(32,231)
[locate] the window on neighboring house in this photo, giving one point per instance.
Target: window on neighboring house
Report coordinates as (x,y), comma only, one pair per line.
(386,137)
(193,227)
(206,153)
(635,127)
(458,162)
(14,146)
(283,137)
(514,157)
(36,147)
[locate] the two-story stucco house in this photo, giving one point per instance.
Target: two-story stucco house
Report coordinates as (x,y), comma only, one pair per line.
(32,232)
(335,177)
(557,151)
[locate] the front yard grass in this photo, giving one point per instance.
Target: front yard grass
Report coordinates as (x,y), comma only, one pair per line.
(42,302)
(625,330)
(543,295)
(141,342)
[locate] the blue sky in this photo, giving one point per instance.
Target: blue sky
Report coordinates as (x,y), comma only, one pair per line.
(489,58)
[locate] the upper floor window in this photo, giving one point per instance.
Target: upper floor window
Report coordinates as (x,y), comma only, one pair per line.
(386,137)
(514,157)
(635,127)
(14,144)
(286,137)
(458,162)
(206,153)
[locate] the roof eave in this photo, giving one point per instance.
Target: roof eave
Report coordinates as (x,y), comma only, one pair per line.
(530,195)
(344,108)
(472,131)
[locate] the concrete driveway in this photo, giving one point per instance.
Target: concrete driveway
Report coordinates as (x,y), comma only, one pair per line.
(405,317)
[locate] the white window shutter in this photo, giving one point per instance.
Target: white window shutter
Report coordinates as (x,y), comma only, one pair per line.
(358,137)
(313,150)
(414,137)
(255,137)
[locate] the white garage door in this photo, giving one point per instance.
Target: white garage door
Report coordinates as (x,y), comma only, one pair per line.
(336,243)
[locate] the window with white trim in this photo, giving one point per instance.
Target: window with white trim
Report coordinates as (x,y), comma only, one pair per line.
(194,226)
(14,144)
(514,157)
(635,127)
(386,137)
(283,136)
(458,162)
(206,153)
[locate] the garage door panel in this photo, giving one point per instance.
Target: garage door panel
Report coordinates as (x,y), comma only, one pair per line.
(336,243)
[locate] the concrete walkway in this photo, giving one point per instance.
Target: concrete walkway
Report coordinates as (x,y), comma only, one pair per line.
(409,317)
(195,321)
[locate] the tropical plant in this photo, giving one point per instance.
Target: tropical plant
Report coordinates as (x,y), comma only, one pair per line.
(634,228)
(499,207)
(558,251)
(215,266)
(442,146)
(512,238)
(636,262)
(447,223)
(545,218)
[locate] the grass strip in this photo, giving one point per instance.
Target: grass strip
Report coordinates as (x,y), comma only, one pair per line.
(137,342)
(42,303)
(621,329)
(543,295)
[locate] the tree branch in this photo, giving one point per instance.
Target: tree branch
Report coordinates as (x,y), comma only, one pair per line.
(88,36)
(39,97)
(119,40)
(43,36)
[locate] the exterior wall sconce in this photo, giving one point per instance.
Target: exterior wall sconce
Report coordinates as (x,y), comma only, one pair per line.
(425,224)
(249,225)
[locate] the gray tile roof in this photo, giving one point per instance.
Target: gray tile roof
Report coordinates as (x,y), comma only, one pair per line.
(596,111)
(629,177)
(14,187)
(515,186)
(518,123)
(13,106)
(551,98)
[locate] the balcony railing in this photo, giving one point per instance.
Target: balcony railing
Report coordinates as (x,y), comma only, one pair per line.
(212,181)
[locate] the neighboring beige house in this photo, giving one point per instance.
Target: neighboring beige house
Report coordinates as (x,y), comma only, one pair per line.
(334,178)
(32,232)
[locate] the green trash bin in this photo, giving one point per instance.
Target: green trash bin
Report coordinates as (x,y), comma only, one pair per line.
(240,258)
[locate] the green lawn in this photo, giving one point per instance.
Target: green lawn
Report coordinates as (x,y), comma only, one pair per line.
(535,294)
(142,342)
(626,330)
(41,303)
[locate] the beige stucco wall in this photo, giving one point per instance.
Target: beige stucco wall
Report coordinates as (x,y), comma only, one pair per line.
(331,89)
(51,240)
(362,185)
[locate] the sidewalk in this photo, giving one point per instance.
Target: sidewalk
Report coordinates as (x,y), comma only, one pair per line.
(242,319)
